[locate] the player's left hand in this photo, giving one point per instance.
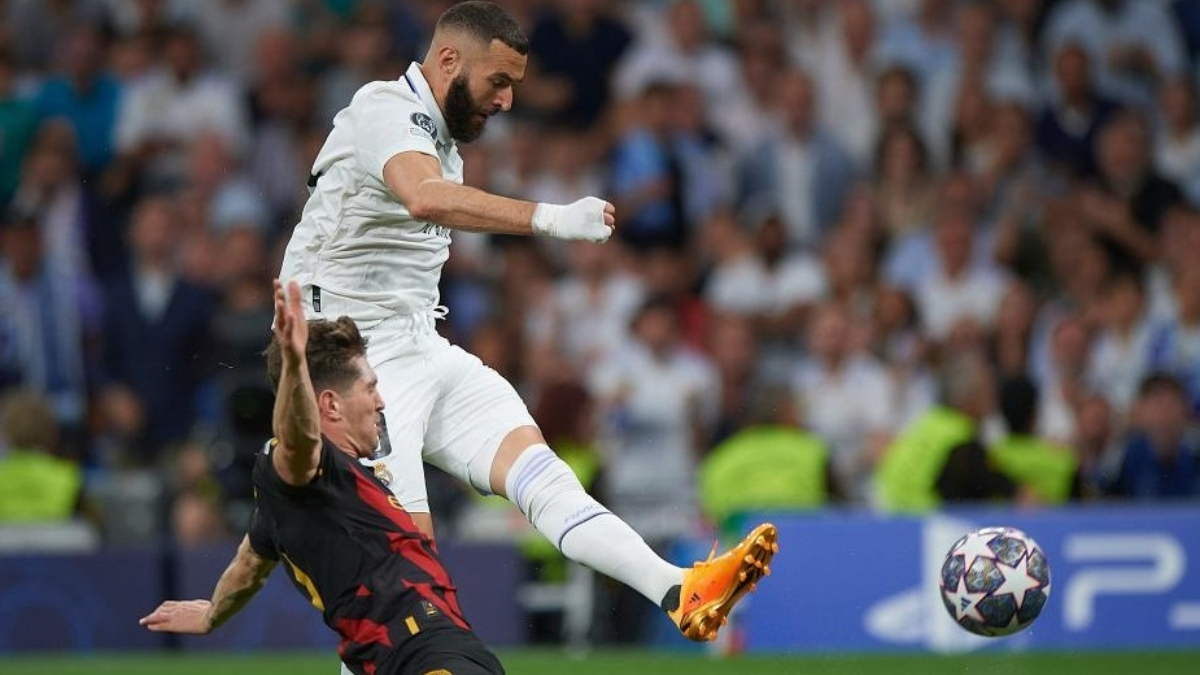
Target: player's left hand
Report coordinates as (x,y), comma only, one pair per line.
(291,328)
(180,616)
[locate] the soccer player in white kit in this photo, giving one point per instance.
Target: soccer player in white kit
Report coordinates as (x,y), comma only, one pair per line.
(386,193)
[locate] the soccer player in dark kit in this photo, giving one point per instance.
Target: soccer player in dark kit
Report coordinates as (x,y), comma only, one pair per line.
(346,543)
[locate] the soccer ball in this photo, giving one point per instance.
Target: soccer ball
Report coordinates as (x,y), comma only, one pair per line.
(995,581)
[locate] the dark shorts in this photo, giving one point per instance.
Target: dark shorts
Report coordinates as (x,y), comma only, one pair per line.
(442,651)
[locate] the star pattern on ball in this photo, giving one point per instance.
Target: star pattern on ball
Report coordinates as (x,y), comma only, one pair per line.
(966,603)
(976,546)
(1016,580)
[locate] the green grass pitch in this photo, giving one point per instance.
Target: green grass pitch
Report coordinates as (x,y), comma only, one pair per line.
(634,663)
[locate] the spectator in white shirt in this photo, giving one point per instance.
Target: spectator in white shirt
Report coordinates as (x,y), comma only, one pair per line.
(658,399)
(1132,43)
(1119,357)
(845,396)
(961,288)
(756,277)
(846,73)
(684,52)
(1177,146)
(168,109)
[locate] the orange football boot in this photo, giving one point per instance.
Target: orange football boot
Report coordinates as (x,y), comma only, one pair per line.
(711,588)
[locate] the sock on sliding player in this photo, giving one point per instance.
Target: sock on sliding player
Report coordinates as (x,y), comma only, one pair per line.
(546,490)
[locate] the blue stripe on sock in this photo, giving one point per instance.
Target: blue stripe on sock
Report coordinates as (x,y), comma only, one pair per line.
(536,467)
(558,544)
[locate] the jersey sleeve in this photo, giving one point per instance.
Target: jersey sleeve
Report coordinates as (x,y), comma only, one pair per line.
(387,124)
(262,538)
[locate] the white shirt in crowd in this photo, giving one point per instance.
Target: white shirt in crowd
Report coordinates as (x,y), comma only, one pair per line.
(1117,364)
(649,449)
(745,285)
(355,239)
(845,407)
(943,302)
(160,107)
(588,326)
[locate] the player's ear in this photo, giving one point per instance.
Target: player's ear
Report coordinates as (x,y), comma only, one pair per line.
(329,404)
(449,60)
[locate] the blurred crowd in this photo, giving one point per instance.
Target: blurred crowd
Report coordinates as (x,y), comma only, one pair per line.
(887,254)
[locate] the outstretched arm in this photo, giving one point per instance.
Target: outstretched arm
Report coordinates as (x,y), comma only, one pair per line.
(416,178)
(295,421)
(246,574)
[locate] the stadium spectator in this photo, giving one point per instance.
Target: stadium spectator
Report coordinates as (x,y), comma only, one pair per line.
(45,323)
(1177,143)
(802,172)
(923,42)
(976,62)
(85,94)
(1120,354)
(1010,340)
(1097,447)
(904,183)
(1126,203)
(646,179)
(1043,472)
(743,122)
(845,71)
(681,50)
(1178,245)
(1064,383)
(229,30)
(362,55)
(1073,113)
(1134,44)
(36,26)
(586,317)
(657,398)
(157,335)
(74,225)
(1161,453)
(37,483)
(734,351)
(844,396)
(18,123)
(166,110)
(963,288)
(1175,342)
(769,463)
(940,457)
(756,275)
(573,48)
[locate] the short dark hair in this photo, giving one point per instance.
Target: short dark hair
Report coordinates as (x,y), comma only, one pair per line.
(332,348)
(1162,382)
(1019,403)
(485,21)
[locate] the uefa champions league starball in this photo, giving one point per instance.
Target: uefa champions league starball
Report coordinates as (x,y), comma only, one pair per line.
(995,581)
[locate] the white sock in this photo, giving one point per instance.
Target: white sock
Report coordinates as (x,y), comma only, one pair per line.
(546,490)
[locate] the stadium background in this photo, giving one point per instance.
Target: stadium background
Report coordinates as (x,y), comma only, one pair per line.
(834,216)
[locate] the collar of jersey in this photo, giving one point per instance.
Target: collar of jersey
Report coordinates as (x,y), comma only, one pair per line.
(420,87)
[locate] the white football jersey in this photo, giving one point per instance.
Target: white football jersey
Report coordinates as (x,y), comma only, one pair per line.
(356,240)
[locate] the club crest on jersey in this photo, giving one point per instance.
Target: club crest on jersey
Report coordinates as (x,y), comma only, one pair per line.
(382,473)
(424,123)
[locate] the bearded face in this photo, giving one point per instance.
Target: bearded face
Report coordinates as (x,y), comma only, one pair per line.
(465,117)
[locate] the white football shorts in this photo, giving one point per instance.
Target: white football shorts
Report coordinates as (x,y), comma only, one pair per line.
(442,404)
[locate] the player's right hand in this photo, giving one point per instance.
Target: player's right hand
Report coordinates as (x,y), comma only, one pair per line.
(180,616)
(291,328)
(588,219)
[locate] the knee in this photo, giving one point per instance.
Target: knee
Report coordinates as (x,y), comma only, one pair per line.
(514,444)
